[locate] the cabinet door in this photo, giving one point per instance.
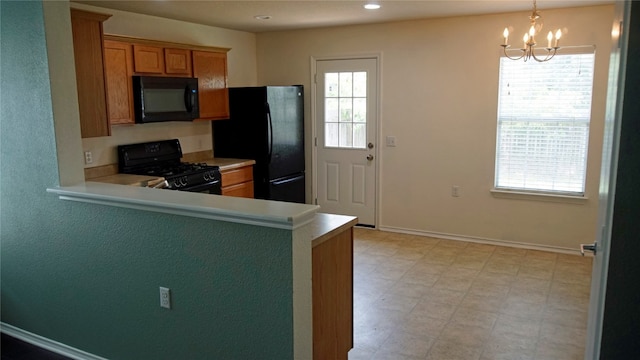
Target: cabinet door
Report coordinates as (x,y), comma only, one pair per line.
(148,59)
(211,70)
(118,64)
(89,58)
(177,61)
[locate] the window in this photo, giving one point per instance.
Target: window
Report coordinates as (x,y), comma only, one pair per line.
(544,110)
(346,110)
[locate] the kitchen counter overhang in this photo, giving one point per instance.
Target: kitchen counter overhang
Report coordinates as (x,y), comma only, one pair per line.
(275,214)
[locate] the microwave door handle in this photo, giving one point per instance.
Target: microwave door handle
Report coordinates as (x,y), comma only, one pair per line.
(188,99)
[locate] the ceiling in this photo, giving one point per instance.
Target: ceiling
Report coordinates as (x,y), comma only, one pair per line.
(304,14)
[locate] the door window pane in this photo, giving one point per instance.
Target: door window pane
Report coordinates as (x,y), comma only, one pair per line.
(346,110)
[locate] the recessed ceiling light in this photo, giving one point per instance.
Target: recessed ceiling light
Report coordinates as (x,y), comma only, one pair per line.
(372,5)
(262,17)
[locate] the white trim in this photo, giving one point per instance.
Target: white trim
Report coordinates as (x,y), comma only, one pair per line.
(47,344)
(480,240)
(273,214)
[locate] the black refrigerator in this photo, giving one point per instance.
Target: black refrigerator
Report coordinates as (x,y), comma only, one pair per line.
(267,125)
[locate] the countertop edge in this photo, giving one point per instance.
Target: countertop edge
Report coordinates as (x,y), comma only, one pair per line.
(273,214)
(325,226)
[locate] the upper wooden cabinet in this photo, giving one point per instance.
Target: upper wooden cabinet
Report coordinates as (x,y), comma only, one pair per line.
(158,60)
(211,70)
(118,64)
(177,61)
(90,75)
(125,57)
(148,59)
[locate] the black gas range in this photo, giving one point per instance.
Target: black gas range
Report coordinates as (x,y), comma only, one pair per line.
(162,159)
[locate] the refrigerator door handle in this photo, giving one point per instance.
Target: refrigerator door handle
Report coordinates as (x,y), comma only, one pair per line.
(285,181)
(270,131)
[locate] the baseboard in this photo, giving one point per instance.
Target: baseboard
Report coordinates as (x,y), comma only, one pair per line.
(47,344)
(480,240)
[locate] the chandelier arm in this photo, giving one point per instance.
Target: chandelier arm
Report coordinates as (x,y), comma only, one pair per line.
(549,56)
(504,47)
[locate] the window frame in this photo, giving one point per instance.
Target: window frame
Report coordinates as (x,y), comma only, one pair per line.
(541,192)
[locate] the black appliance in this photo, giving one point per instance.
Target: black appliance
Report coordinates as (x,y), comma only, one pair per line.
(266,125)
(162,159)
(157,99)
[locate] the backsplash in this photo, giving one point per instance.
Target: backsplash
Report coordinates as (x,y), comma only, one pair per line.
(194,136)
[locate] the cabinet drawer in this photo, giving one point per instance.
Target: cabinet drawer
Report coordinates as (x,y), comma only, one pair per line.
(244,189)
(236,176)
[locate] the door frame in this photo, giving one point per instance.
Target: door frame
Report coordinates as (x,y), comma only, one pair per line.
(608,177)
(377,56)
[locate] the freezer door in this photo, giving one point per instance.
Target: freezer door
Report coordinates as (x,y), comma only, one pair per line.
(289,189)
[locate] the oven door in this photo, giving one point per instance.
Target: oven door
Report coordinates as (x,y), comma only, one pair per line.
(213,187)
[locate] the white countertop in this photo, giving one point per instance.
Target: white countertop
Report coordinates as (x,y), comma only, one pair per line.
(276,214)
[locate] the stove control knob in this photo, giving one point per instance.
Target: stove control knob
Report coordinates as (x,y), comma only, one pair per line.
(183,181)
(207,176)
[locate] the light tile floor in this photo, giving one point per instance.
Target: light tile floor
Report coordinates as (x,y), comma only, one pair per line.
(417,297)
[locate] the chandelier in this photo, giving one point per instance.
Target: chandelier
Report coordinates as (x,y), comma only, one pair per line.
(529,40)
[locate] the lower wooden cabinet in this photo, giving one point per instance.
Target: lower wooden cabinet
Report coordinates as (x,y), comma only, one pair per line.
(332,296)
(238,182)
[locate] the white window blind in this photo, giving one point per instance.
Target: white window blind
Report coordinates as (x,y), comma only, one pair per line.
(544,110)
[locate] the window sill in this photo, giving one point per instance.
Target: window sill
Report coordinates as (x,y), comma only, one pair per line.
(547,197)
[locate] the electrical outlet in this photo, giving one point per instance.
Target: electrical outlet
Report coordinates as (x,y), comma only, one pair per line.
(455,191)
(88,157)
(165,298)
(391,141)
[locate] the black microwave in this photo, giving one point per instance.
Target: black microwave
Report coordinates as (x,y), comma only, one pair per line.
(158,99)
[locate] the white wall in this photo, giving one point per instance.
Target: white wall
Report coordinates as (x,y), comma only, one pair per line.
(439,98)
(195,136)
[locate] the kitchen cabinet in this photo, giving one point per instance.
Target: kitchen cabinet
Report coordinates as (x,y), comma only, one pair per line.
(157,58)
(90,74)
(118,64)
(332,296)
(148,59)
(161,61)
(177,62)
(211,70)
(238,182)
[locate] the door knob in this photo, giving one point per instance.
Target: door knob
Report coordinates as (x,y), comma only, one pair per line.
(370,145)
(369,157)
(589,247)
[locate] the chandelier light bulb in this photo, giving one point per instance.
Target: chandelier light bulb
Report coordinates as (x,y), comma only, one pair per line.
(528,50)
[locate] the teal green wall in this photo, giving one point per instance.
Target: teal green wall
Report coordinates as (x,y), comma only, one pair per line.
(88,275)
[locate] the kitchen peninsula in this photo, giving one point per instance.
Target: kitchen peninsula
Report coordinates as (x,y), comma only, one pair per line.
(316,279)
